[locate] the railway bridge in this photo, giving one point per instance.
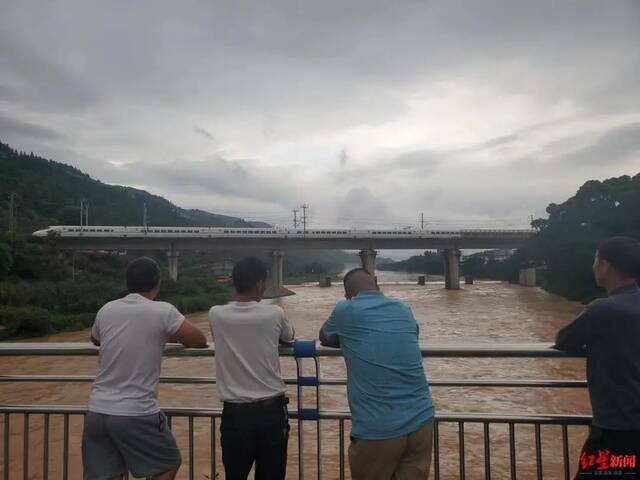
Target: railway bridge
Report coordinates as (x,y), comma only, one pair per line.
(172,240)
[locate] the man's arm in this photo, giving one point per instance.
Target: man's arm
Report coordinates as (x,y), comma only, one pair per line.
(287,332)
(329,332)
(95,332)
(189,335)
(578,334)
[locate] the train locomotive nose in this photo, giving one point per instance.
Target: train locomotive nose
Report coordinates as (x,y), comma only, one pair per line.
(42,233)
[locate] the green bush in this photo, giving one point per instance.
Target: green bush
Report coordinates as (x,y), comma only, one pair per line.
(24,322)
(73,321)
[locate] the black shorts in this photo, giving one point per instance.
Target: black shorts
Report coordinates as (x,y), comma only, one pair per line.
(114,444)
(610,453)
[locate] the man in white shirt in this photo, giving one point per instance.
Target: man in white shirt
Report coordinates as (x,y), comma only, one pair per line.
(255,424)
(124,429)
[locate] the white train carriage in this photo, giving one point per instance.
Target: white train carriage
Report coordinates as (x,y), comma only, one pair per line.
(226,232)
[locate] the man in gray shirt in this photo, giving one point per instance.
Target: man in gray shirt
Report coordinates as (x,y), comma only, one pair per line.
(124,429)
(608,332)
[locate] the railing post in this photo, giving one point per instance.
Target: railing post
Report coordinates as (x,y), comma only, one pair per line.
(307,349)
(7,426)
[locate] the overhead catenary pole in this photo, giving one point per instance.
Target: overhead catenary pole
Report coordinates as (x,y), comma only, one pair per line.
(304,217)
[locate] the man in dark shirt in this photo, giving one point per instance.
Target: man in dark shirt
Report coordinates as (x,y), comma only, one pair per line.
(608,332)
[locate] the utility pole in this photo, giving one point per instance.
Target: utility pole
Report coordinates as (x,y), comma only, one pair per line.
(86,213)
(295,218)
(144,216)
(422,221)
(304,217)
(12,213)
(81,212)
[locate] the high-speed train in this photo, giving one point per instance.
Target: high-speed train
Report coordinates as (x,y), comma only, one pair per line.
(226,232)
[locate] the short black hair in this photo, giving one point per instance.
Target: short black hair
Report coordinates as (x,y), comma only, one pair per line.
(354,271)
(143,275)
(247,273)
(623,253)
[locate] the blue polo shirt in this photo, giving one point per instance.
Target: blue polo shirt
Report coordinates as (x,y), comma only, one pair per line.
(386,384)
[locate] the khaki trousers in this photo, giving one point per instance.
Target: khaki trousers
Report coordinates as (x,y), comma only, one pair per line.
(401,458)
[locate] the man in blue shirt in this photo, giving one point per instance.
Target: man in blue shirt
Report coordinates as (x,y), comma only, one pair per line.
(391,408)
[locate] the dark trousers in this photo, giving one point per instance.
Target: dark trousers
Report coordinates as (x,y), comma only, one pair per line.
(610,453)
(255,432)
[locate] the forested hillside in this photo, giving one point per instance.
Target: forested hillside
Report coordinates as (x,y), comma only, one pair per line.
(49,193)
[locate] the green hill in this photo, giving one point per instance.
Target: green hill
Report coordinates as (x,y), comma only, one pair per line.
(49,193)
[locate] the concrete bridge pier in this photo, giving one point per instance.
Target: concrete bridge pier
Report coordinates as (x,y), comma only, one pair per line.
(451,268)
(275,285)
(528,277)
(172,256)
(368,259)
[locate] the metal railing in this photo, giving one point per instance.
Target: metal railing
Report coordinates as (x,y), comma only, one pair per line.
(463,423)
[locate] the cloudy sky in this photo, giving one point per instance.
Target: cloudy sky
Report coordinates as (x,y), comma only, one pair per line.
(475,113)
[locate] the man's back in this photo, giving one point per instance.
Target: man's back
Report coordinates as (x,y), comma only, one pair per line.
(610,329)
(387,388)
(246,336)
(132,332)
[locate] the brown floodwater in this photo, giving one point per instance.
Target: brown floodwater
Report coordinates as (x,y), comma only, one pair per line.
(487,313)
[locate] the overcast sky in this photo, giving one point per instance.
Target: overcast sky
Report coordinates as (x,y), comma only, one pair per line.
(475,113)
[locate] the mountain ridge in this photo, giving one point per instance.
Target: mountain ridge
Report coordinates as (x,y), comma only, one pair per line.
(48,192)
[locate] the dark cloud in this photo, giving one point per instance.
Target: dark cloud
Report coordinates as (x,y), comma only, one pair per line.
(219,176)
(343,158)
(14,128)
(615,146)
(35,80)
(204,133)
(499,141)
(362,206)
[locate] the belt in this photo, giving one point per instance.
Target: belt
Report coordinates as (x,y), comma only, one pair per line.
(280,399)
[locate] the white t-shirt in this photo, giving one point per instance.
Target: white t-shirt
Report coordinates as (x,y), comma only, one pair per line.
(132,332)
(246,336)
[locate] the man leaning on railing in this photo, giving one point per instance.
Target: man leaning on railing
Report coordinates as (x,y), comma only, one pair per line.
(608,331)
(124,429)
(391,409)
(255,422)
